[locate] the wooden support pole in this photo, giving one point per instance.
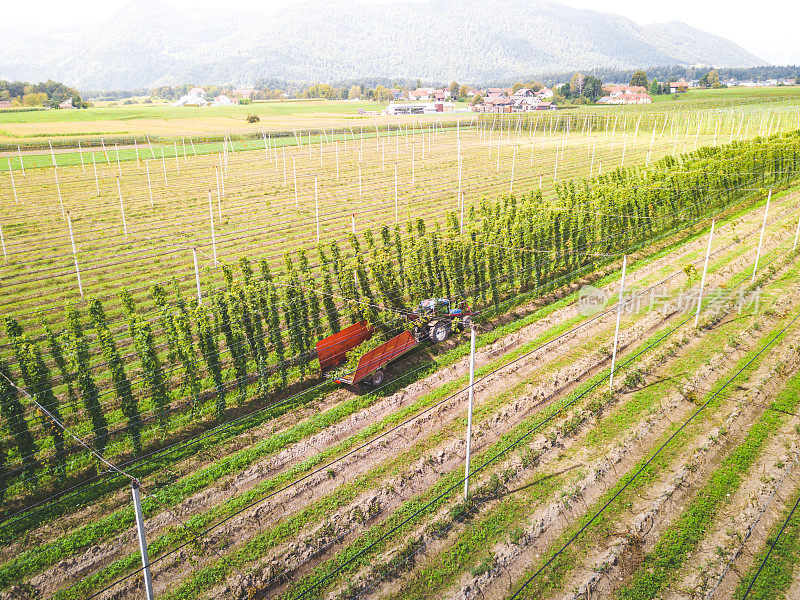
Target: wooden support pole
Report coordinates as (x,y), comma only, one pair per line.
(122,209)
(58,188)
(619,315)
(703,278)
(149,183)
(96,182)
(74,255)
(761,236)
(211,220)
(469,410)
(13,183)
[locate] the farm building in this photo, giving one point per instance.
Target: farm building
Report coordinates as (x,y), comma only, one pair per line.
(616,90)
(525,104)
(418,108)
(421,94)
(494,104)
(197,91)
(544,93)
(66,104)
(192,99)
(676,87)
(5,103)
(222,100)
(498,92)
(524,93)
(633,98)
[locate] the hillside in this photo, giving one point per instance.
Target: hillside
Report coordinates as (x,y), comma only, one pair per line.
(150,43)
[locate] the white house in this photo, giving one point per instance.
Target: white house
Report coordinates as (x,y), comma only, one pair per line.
(195,97)
(223,100)
(418,108)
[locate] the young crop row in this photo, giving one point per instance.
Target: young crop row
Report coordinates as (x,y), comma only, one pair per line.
(42,266)
(129,561)
(270,325)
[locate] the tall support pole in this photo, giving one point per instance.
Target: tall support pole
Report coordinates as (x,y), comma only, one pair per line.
(96,182)
(336,147)
(21,164)
(80,153)
(13,184)
(149,183)
(60,200)
(413,163)
(119,165)
(3,241)
(219,195)
(619,315)
(513,165)
(74,254)
(469,409)
(796,235)
(283,155)
(197,276)
(137,507)
(164,167)
(703,278)
(211,219)
(294,171)
(396,203)
(460,171)
(122,209)
(761,237)
(316,205)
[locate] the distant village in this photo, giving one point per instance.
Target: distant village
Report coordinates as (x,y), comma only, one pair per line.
(407,100)
(516,99)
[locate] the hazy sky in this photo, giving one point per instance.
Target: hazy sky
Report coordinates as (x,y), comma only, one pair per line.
(767,28)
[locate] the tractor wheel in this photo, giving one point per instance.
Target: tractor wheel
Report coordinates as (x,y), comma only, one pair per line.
(440,332)
(378,378)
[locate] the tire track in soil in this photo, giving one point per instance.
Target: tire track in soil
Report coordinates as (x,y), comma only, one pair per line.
(608,567)
(499,585)
(247,479)
(700,574)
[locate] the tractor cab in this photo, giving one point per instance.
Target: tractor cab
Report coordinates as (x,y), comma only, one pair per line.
(435,318)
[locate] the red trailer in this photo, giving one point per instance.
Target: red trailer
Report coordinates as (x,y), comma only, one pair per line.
(434,320)
(333,349)
(370,367)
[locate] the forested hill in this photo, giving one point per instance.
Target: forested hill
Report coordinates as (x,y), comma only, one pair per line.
(150,43)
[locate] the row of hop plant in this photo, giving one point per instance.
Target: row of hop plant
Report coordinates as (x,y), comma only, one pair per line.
(189,359)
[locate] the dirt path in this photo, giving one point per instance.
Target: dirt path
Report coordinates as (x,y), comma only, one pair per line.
(80,566)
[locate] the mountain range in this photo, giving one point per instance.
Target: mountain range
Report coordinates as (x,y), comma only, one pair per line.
(149,43)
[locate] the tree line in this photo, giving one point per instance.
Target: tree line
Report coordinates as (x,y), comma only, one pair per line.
(46,93)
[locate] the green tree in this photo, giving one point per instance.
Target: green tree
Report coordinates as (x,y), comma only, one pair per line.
(639,78)
(122,385)
(14,415)
(80,361)
(592,88)
(655,87)
(576,85)
(454,89)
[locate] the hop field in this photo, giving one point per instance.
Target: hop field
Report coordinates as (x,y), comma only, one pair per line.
(164,308)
